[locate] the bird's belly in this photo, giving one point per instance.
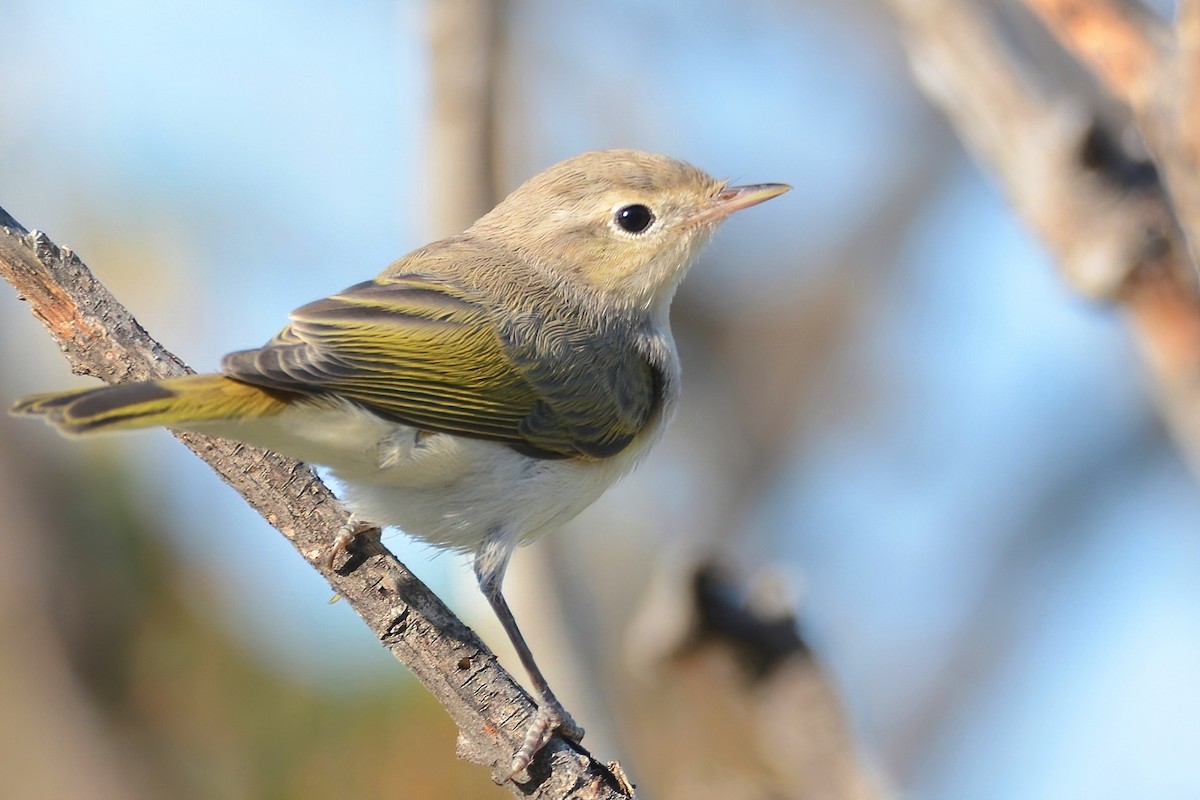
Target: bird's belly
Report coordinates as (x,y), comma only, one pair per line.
(452,492)
(449,491)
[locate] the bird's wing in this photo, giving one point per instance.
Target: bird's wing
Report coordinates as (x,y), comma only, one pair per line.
(427,353)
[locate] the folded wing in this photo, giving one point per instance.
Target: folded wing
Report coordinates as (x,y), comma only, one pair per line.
(428,353)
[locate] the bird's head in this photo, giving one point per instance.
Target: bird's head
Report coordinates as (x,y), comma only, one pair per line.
(622,223)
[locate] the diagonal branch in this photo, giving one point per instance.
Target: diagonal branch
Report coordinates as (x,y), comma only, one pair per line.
(99,337)
(1124,42)
(1152,69)
(1105,218)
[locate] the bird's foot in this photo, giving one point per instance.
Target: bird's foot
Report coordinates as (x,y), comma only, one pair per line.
(346,534)
(551,718)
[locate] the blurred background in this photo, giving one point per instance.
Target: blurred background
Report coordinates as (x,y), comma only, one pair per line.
(928,473)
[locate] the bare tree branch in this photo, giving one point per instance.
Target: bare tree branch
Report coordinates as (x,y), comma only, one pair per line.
(99,337)
(1152,69)
(1106,219)
(1187,112)
(463,45)
(1124,42)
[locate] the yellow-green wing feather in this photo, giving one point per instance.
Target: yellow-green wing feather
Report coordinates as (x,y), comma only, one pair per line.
(429,353)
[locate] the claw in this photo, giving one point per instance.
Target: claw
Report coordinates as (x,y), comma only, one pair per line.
(345,535)
(551,718)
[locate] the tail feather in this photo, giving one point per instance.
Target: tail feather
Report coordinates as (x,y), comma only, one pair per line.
(173,402)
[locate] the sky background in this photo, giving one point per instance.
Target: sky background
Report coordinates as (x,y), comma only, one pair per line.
(994,541)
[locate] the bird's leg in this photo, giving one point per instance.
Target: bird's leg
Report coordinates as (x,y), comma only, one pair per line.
(490,564)
(346,534)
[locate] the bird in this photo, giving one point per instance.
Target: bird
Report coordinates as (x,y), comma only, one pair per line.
(482,390)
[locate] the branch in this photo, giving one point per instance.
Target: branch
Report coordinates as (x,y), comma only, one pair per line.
(464,64)
(1104,216)
(1153,71)
(1123,42)
(99,337)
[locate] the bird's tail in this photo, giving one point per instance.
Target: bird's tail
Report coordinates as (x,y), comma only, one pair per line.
(172,403)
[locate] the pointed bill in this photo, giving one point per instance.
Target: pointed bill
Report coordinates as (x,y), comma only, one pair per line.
(735,198)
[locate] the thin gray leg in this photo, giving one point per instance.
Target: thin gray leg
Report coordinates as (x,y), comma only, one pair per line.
(490,564)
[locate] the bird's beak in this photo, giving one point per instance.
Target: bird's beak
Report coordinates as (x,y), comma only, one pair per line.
(735,198)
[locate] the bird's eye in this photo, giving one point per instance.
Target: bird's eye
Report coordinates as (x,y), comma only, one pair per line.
(634,218)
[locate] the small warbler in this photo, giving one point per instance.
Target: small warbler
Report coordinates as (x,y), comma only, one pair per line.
(482,390)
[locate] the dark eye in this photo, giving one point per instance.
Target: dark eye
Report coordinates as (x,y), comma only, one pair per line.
(635,218)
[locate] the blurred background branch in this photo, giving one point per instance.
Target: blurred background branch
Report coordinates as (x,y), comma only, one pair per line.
(465,70)
(1129,46)
(1069,159)
(1150,67)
